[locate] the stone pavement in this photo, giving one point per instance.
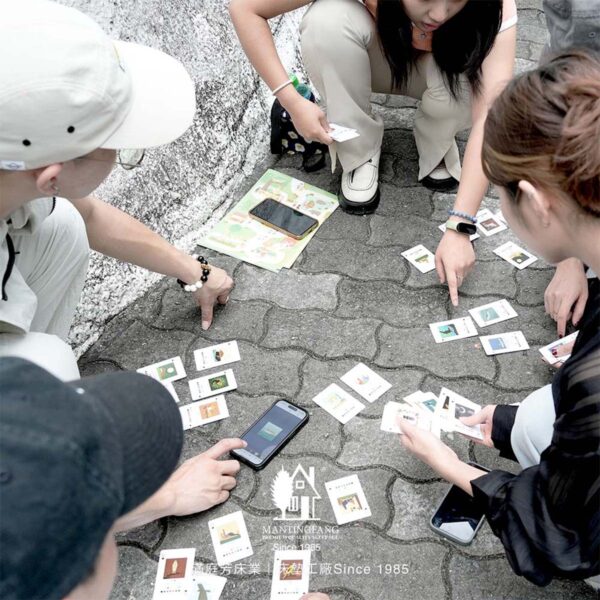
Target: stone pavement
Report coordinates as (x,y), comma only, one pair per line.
(350,297)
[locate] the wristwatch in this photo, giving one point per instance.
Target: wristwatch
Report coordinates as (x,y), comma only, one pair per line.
(461,227)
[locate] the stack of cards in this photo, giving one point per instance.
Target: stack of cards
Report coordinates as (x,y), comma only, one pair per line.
(291,572)
(455,406)
(488,223)
(342,134)
(421,258)
(174,574)
(513,341)
(204,412)
(558,352)
(210,385)
(230,538)
(338,403)
(515,255)
(366,382)
(393,411)
(347,499)
(457,329)
(494,312)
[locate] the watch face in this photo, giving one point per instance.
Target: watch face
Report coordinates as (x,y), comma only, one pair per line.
(466,228)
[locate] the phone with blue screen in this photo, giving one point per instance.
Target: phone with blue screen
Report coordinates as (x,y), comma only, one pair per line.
(270,433)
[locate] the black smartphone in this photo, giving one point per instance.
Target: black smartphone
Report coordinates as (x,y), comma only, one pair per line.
(457,517)
(270,433)
(287,220)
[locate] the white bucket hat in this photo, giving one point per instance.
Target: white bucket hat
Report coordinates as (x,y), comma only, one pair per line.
(67,89)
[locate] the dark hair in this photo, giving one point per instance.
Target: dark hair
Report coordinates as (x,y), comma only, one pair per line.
(459,46)
(545,128)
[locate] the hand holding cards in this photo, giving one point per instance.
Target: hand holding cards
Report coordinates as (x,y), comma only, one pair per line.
(342,134)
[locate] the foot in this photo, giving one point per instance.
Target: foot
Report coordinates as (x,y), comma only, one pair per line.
(359,192)
(440,179)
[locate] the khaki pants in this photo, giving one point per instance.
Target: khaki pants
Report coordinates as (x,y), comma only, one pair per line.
(344,60)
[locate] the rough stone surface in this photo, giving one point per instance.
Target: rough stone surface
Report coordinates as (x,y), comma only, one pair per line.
(351,297)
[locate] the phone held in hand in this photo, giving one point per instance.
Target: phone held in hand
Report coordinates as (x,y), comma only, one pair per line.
(458,517)
(270,433)
(284,219)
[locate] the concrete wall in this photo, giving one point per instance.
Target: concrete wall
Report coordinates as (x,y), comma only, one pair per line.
(189,184)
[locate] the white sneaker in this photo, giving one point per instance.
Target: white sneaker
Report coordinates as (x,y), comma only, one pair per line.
(360,188)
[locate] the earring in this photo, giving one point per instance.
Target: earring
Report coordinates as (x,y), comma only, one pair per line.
(54,188)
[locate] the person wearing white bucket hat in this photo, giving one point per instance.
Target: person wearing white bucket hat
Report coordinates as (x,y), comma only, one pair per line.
(70,97)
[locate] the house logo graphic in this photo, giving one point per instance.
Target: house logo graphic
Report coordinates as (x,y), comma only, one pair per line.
(295,495)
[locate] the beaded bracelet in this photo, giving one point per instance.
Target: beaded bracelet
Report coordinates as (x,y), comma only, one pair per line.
(193,287)
(463,215)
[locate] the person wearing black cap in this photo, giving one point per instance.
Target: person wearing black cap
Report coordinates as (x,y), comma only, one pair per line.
(81,461)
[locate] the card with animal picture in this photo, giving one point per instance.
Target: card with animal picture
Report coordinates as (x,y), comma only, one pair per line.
(347,499)
(291,574)
(558,352)
(206,586)
(174,574)
(421,258)
(217,356)
(513,341)
(461,407)
(472,237)
(166,370)
(488,223)
(457,329)
(230,538)
(210,385)
(366,382)
(492,313)
(338,403)
(204,412)
(515,255)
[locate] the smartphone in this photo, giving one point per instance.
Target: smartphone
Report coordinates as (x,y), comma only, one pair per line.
(457,517)
(270,433)
(283,218)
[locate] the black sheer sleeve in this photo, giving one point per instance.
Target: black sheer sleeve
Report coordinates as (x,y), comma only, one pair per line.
(502,424)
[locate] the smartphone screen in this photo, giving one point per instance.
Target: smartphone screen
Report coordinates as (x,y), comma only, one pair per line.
(283,217)
(271,432)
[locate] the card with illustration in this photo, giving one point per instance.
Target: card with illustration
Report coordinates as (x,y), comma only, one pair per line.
(338,403)
(394,410)
(216,356)
(174,574)
(347,499)
(461,407)
(206,586)
(342,134)
(230,538)
(488,223)
(558,352)
(421,258)
(513,341)
(457,329)
(515,255)
(204,412)
(366,382)
(424,401)
(291,574)
(166,370)
(494,312)
(210,385)
(472,237)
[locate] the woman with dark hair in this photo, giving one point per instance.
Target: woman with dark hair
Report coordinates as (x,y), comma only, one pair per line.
(453,55)
(542,149)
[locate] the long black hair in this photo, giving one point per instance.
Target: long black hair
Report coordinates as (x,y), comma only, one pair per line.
(459,46)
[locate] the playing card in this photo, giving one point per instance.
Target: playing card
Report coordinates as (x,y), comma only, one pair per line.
(216,356)
(166,370)
(230,538)
(502,343)
(461,407)
(515,255)
(291,572)
(494,312)
(420,258)
(488,223)
(207,586)
(473,237)
(338,403)
(366,382)
(457,329)
(347,499)
(342,134)
(393,410)
(174,574)
(204,412)
(559,351)
(424,401)
(209,385)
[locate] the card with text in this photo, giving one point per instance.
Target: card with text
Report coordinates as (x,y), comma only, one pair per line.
(174,574)
(457,329)
(291,573)
(348,499)
(216,356)
(366,382)
(494,312)
(338,403)
(210,385)
(558,352)
(515,255)
(421,258)
(204,412)
(513,341)
(166,370)
(488,223)
(230,538)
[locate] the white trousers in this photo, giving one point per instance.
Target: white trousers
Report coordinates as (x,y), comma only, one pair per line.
(343,57)
(53,261)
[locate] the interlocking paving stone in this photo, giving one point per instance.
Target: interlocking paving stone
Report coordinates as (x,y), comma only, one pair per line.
(401,201)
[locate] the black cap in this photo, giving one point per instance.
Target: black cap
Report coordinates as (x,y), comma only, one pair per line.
(74,457)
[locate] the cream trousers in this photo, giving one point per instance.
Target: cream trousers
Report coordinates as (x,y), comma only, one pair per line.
(344,60)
